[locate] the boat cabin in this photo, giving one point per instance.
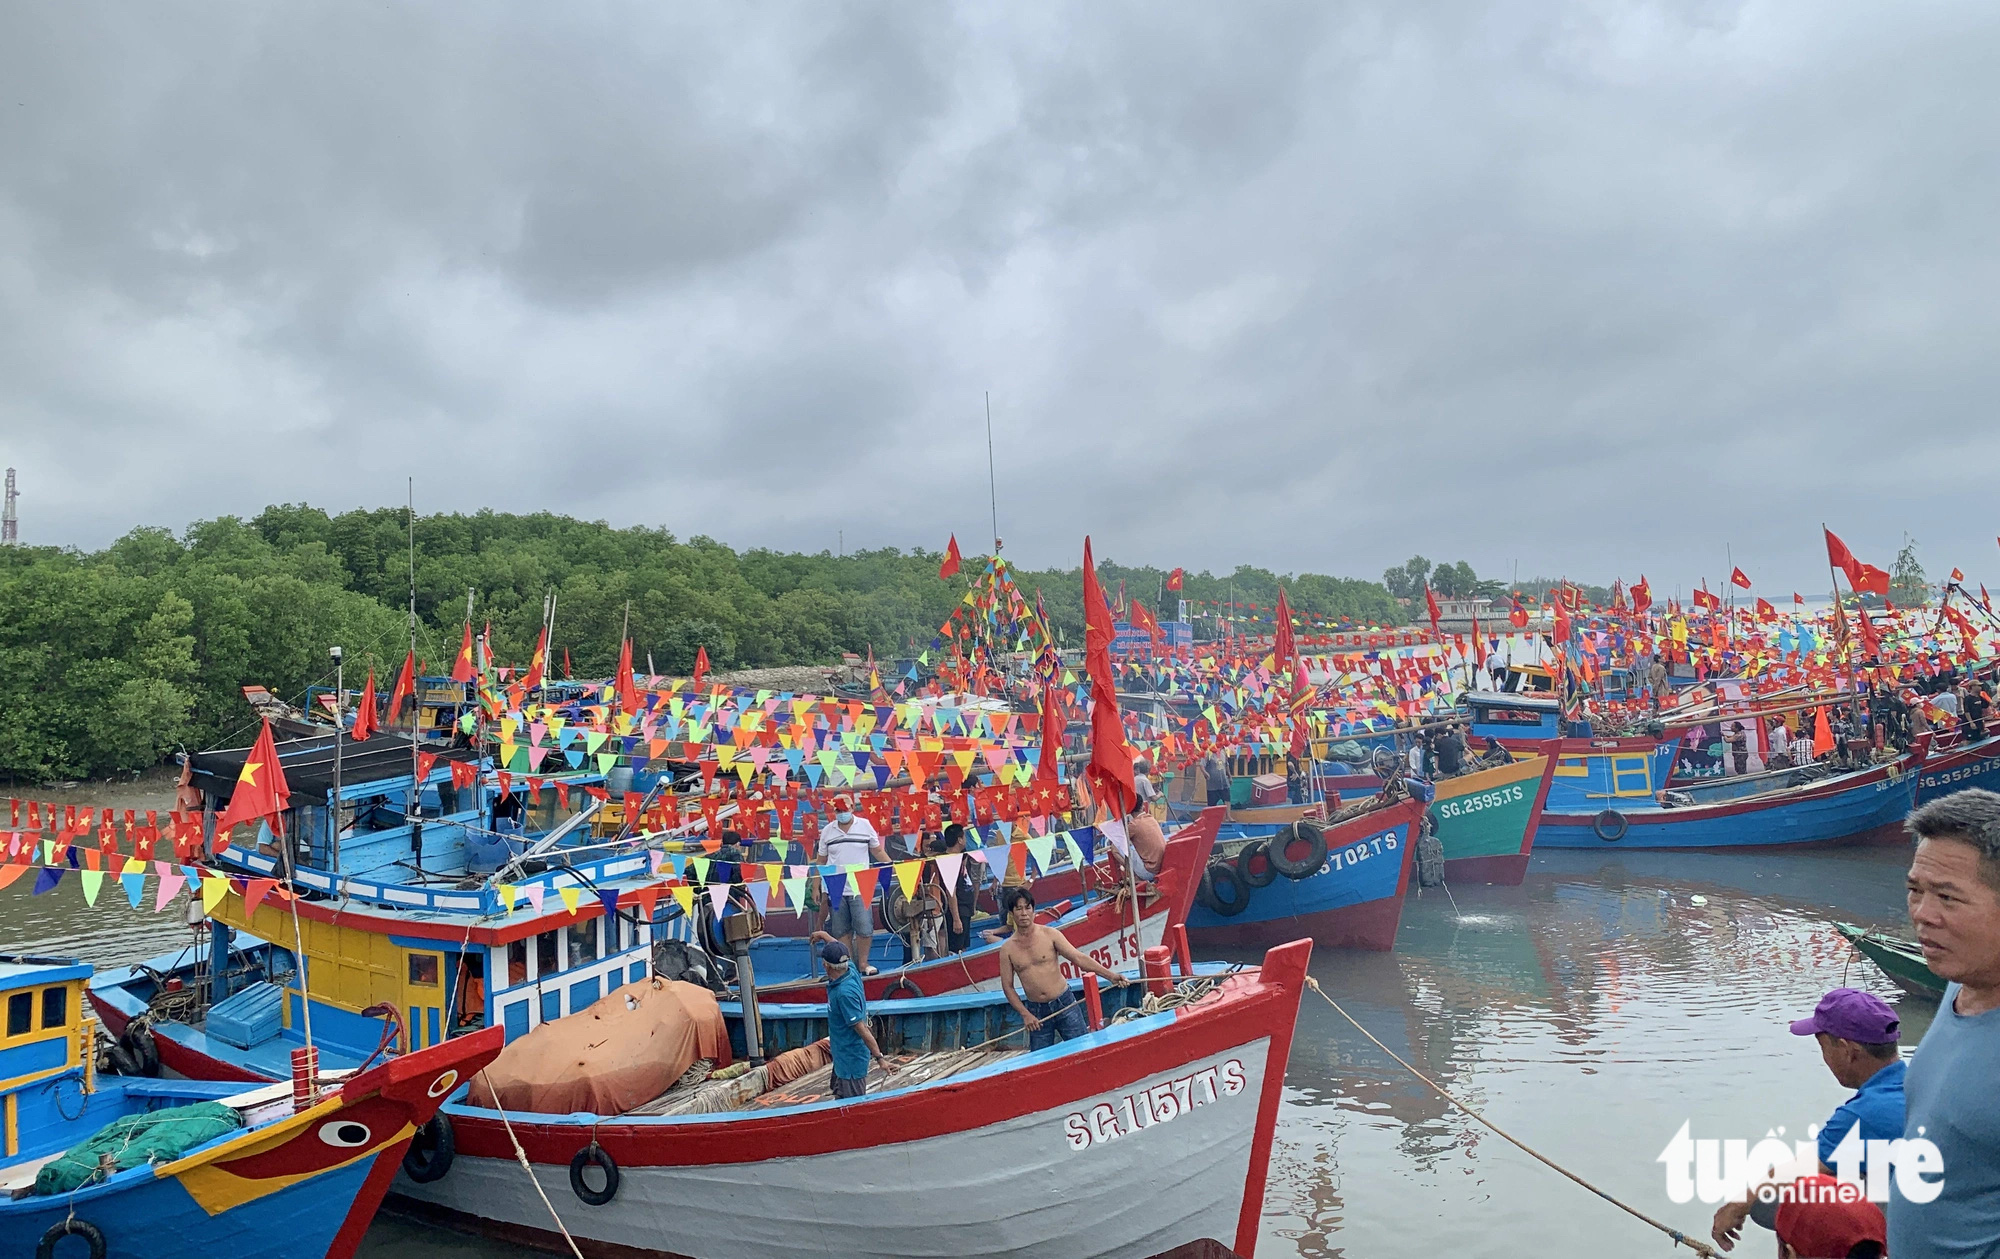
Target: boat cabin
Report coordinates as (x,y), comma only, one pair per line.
(46,1035)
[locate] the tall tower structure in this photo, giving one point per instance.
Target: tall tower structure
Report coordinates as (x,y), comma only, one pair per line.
(10,520)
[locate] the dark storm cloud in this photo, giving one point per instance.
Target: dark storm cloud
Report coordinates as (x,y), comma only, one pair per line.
(1599,288)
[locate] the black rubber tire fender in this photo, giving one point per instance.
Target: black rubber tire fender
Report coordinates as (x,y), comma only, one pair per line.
(1298,850)
(1253,865)
(145,1049)
(593,1155)
(1224,890)
(1610,825)
(120,1060)
(903,987)
(92,1235)
(431,1151)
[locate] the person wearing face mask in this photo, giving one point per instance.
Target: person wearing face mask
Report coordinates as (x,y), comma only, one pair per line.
(851,841)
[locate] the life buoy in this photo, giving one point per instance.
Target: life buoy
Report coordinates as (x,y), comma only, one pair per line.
(431,1151)
(1253,863)
(903,985)
(1610,826)
(1298,850)
(92,1235)
(1222,889)
(593,1155)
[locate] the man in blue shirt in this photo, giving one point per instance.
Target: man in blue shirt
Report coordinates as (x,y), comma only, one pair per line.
(1857,1034)
(847,1029)
(1954,899)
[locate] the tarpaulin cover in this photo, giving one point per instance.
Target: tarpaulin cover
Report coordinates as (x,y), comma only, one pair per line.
(159,1136)
(622,1052)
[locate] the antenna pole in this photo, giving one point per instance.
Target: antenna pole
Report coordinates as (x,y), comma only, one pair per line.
(992,492)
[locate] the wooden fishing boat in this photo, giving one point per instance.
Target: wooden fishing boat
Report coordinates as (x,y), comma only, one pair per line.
(1957,766)
(1341,886)
(295,1169)
(1781,809)
(1901,960)
(1486,821)
(1152,1132)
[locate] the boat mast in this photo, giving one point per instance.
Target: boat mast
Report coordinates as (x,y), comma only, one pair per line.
(416,809)
(339,736)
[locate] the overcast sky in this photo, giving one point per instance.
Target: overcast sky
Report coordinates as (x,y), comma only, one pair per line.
(1601,288)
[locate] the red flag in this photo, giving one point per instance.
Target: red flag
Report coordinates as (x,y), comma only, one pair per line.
(567,671)
(700,667)
(260,786)
(462,669)
(1046,769)
(1737,578)
(1862,577)
(1703,599)
(1143,618)
(1957,575)
(1431,605)
(1174,579)
(1110,768)
(1284,646)
(1764,608)
(952,559)
(628,694)
(1822,733)
(1642,596)
(1869,642)
(405,688)
(1517,616)
(364,711)
(538,663)
(1798,598)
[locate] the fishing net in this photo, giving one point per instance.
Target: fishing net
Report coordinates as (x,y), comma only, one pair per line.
(159,1136)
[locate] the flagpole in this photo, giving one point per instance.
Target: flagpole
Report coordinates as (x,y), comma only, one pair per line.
(992,490)
(339,737)
(416,814)
(1833,580)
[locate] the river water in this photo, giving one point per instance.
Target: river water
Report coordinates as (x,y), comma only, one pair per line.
(1590,1013)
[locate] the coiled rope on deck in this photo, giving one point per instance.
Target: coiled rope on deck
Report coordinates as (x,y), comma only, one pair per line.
(1680,1239)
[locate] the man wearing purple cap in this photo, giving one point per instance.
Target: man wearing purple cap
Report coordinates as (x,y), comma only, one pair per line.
(1857,1035)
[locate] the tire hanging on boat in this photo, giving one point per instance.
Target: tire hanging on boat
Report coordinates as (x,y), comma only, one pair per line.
(1253,865)
(1610,825)
(1298,850)
(1222,889)
(904,987)
(431,1151)
(593,1155)
(92,1235)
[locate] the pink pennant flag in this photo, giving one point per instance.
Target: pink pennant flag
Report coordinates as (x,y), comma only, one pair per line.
(948,867)
(718,896)
(535,892)
(171,883)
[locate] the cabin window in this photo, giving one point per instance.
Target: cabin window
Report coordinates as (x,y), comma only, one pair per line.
(424,969)
(624,933)
(55,1007)
(547,955)
(21,1014)
(582,942)
(517,962)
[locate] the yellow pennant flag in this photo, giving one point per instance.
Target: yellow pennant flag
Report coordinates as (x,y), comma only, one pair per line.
(684,895)
(213,888)
(571,897)
(907,873)
(510,896)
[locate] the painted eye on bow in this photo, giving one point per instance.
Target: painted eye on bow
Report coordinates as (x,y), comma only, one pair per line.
(344,1133)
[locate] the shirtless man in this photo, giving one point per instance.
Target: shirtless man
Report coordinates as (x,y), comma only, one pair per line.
(1035,953)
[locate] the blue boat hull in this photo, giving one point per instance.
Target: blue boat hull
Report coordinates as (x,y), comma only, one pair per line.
(1959,769)
(1355,900)
(1860,808)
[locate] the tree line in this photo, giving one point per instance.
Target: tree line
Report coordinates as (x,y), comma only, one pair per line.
(110,660)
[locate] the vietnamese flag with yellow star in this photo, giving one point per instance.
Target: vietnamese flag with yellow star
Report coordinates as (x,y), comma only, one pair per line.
(260,787)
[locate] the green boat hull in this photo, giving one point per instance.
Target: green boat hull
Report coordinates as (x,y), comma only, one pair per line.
(1901,960)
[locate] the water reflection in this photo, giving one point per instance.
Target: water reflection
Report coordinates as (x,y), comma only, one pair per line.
(1589,1012)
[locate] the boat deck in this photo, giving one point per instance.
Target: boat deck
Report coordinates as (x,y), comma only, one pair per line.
(694,1094)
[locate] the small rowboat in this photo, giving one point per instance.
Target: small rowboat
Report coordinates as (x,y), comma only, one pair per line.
(1901,960)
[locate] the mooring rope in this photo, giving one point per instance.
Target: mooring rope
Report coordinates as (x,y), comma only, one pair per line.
(521,1157)
(1680,1239)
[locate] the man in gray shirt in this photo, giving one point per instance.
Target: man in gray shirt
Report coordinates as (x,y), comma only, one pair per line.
(1216,775)
(1954,895)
